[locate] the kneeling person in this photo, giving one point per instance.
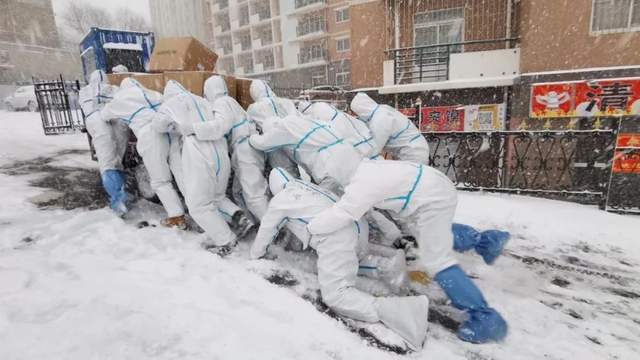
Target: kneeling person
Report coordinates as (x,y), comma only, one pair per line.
(294,205)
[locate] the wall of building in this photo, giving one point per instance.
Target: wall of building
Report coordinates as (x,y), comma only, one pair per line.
(484,19)
(555,35)
(181,18)
(367,44)
(28,22)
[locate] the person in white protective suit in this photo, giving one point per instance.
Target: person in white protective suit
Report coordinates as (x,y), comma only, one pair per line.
(248,164)
(109,138)
(136,106)
(391,130)
(426,199)
(294,204)
(353,130)
(309,143)
(205,165)
(266,108)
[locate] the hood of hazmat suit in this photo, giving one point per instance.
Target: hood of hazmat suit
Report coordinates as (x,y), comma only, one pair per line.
(267,105)
(353,130)
(391,130)
(119,69)
(215,87)
(363,106)
(97,93)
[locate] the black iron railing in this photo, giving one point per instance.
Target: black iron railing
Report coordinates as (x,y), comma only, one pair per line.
(568,162)
(573,165)
(308,55)
(310,27)
(303,3)
(431,63)
(59,105)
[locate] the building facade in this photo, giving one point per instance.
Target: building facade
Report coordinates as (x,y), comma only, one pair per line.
(30,45)
(181,18)
(291,43)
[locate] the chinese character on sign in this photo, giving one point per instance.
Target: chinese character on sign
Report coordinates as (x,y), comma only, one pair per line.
(615,96)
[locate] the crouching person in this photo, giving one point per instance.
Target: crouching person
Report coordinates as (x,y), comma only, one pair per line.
(205,166)
(294,205)
(109,137)
(136,106)
(426,199)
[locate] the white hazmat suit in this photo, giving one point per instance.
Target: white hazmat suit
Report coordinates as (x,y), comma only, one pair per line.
(392,131)
(205,160)
(353,130)
(136,106)
(294,205)
(108,136)
(313,145)
(267,107)
(248,164)
(426,199)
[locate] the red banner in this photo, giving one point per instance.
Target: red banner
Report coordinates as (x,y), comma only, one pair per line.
(629,141)
(607,97)
(627,162)
(410,112)
(442,118)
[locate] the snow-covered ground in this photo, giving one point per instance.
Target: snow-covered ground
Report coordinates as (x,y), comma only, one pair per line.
(84,284)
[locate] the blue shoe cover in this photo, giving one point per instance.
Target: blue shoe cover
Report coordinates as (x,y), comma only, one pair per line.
(488,244)
(113,182)
(464,237)
(484,324)
(491,244)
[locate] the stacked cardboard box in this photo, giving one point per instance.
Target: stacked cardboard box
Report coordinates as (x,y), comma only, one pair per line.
(188,62)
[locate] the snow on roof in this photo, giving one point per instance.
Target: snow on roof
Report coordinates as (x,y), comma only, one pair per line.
(450,84)
(122,46)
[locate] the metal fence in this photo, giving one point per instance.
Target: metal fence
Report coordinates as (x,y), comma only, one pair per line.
(59,106)
(574,165)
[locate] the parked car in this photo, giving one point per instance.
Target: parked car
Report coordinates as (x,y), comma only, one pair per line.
(24,98)
(323,92)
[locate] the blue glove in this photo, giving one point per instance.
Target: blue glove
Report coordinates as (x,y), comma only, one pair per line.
(488,244)
(114,183)
(484,323)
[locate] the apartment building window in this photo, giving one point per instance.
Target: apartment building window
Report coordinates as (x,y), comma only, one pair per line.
(343,44)
(244,15)
(318,78)
(245,41)
(615,15)
(343,78)
(342,15)
(439,27)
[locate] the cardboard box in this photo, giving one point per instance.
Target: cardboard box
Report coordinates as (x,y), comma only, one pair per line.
(153,82)
(194,81)
(243,94)
(181,54)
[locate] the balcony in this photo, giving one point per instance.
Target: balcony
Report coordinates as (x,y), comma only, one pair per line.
(261,15)
(312,55)
(304,3)
(478,63)
(311,27)
(220,5)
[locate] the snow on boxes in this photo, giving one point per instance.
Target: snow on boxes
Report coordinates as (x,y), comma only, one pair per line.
(183,59)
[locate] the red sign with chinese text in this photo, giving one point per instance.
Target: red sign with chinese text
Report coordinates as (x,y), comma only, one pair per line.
(607,97)
(442,118)
(628,141)
(627,162)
